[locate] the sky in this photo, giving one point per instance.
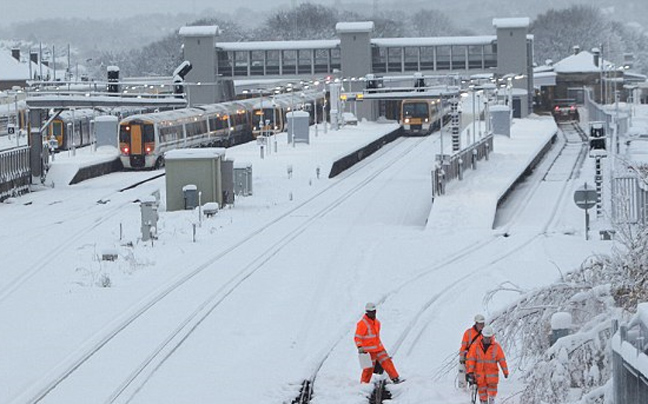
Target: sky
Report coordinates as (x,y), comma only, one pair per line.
(35,9)
(268,291)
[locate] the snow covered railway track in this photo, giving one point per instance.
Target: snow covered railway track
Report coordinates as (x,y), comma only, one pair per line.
(503,247)
(66,243)
(125,383)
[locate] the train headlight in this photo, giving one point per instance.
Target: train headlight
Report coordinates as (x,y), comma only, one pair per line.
(407,120)
(148,150)
(427,120)
(125,150)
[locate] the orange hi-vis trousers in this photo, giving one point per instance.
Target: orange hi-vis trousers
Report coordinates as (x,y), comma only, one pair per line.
(486,391)
(386,363)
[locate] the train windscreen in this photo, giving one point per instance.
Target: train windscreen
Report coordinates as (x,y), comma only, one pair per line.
(268,115)
(416,110)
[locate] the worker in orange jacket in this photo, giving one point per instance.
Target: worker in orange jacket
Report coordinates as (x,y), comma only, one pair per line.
(481,364)
(470,336)
(367,340)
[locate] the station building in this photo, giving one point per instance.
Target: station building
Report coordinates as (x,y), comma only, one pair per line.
(355,54)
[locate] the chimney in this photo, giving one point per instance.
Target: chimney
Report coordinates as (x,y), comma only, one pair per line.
(597,56)
(33,56)
(15,53)
(576,50)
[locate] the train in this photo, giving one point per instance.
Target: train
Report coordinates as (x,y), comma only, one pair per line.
(74,128)
(144,138)
(421,116)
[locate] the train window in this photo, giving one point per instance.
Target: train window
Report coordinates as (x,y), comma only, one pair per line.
(124,133)
(57,128)
(148,134)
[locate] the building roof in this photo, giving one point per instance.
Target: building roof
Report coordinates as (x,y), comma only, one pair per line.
(11,69)
(435,41)
(206,30)
(278,45)
(360,26)
(583,62)
(511,22)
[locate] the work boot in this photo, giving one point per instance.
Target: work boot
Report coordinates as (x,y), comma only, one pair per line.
(491,400)
(397,380)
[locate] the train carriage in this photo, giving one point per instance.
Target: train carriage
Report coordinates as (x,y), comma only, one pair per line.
(72,128)
(144,138)
(421,116)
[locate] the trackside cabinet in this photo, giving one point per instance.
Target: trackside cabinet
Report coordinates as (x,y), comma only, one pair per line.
(198,167)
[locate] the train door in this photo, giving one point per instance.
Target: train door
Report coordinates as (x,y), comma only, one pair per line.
(57,131)
(136,139)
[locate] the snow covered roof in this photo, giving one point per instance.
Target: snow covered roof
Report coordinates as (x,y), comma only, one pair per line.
(583,62)
(511,22)
(201,153)
(278,45)
(544,79)
(435,41)
(11,69)
(207,30)
(360,26)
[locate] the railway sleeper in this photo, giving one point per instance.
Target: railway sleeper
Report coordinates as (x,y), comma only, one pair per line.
(379,393)
(305,393)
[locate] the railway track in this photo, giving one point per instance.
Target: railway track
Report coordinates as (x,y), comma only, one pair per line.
(61,248)
(88,359)
(564,166)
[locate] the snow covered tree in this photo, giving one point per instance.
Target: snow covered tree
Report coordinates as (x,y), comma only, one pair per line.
(306,21)
(558,31)
(430,22)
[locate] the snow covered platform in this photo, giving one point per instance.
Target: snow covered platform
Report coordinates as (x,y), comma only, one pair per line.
(492,179)
(71,167)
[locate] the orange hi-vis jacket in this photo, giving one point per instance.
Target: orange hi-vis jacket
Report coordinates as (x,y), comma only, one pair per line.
(484,363)
(367,335)
(470,338)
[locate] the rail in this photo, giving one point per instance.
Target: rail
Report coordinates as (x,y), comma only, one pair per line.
(15,172)
(630,359)
(454,166)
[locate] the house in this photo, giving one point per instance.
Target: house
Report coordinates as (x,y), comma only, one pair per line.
(566,79)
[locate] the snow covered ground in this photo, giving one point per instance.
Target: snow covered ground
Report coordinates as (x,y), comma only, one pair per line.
(269,293)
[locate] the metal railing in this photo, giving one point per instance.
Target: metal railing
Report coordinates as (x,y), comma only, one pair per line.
(15,172)
(598,113)
(454,166)
(629,355)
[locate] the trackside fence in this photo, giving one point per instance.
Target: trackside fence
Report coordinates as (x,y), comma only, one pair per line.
(15,172)
(450,167)
(630,360)
(598,113)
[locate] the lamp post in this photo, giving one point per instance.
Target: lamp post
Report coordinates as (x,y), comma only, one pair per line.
(472,90)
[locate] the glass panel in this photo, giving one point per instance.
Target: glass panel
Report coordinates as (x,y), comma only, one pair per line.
(458,57)
(272,61)
(256,69)
(379,59)
(443,57)
(289,61)
(411,59)
(394,59)
(304,64)
(240,63)
(224,63)
(427,58)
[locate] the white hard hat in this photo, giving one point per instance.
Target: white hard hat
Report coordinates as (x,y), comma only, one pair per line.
(480,319)
(488,331)
(370,307)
